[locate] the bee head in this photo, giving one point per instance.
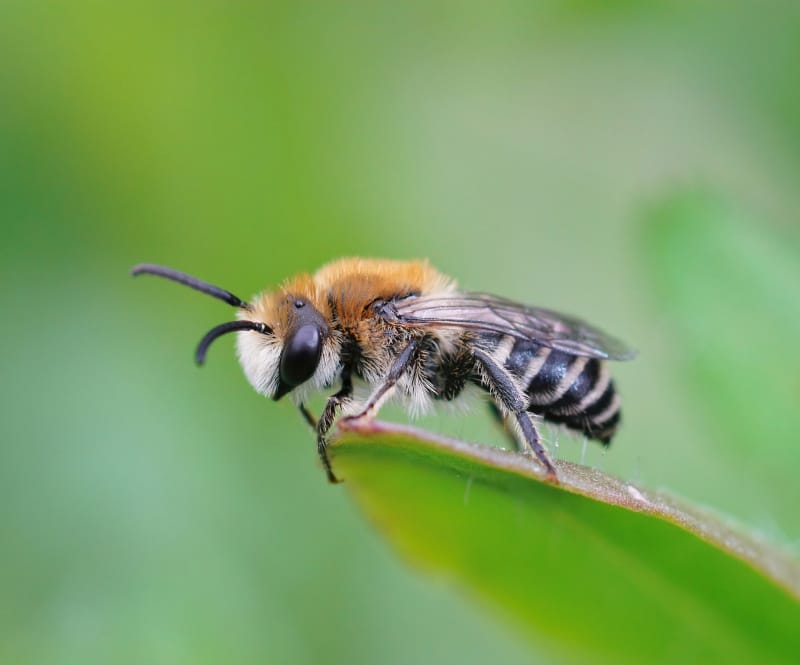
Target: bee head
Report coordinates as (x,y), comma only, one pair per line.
(281,337)
(293,354)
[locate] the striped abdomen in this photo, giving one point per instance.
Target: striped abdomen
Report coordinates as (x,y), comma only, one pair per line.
(571,390)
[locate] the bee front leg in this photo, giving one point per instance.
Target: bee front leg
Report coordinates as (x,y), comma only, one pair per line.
(308,416)
(513,400)
(326,420)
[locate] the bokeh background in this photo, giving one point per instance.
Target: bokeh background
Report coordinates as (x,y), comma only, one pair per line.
(635,164)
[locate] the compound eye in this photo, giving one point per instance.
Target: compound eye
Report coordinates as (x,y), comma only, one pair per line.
(300,355)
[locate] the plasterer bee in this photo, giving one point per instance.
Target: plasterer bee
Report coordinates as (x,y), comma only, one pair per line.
(406,330)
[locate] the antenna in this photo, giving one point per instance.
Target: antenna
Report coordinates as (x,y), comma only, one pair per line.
(191,282)
(224,329)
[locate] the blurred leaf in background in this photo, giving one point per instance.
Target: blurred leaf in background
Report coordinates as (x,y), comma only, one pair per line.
(155,513)
(728,290)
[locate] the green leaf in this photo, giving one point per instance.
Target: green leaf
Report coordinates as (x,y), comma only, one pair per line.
(593,570)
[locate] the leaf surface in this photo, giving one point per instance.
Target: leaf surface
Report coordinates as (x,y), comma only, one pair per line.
(592,569)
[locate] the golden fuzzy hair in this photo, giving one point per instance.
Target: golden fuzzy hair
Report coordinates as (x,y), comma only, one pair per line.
(352,284)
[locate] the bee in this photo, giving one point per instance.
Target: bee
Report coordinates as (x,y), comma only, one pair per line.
(406,330)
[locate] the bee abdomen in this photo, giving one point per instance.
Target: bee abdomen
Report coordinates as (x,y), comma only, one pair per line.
(574,391)
(597,417)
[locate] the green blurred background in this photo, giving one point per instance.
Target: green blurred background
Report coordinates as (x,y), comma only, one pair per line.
(559,153)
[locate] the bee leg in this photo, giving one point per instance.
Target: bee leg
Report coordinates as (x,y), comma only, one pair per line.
(497,414)
(308,416)
(325,422)
(513,400)
(406,358)
(531,435)
(322,451)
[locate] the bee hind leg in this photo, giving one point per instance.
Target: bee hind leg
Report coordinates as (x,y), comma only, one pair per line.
(509,396)
(508,430)
(531,435)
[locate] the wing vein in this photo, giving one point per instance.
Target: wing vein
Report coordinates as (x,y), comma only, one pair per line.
(482,312)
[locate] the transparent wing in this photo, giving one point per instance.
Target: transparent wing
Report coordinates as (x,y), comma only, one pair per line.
(487,313)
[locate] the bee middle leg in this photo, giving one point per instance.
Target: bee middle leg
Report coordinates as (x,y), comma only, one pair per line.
(401,364)
(514,401)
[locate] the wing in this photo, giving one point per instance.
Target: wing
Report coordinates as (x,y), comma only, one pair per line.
(487,313)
